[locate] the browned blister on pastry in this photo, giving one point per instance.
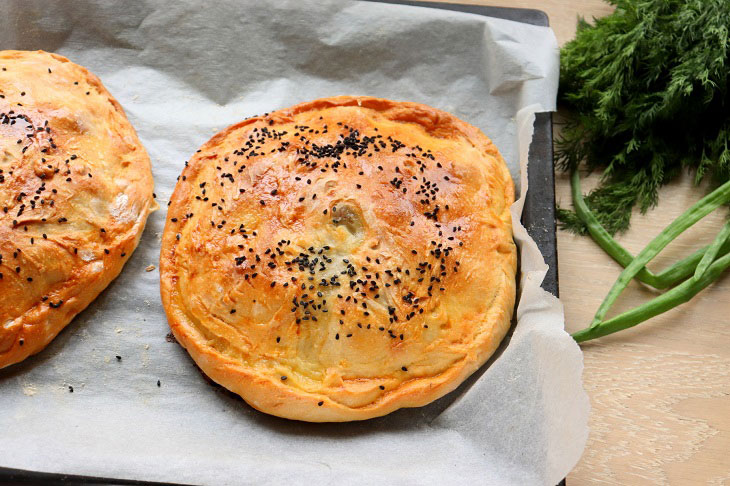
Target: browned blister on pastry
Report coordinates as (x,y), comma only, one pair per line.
(342,258)
(75,192)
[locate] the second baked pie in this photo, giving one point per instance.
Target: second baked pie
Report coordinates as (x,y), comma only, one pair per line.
(342,258)
(75,193)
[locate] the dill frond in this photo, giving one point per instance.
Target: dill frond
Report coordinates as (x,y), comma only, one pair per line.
(649,89)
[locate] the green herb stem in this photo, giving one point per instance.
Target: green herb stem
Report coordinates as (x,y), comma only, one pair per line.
(712,250)
(699,210)
(685,268)
(662,280)
(668,300)
(600,235)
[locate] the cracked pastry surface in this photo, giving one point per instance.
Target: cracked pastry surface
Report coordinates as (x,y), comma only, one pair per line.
(75,192)
(342,258)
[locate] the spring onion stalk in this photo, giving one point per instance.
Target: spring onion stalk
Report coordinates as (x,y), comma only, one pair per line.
(668,300)
(712,250)
(685,268)
(662,280)
(697,211)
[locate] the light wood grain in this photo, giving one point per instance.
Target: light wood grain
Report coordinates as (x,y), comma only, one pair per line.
(660,392)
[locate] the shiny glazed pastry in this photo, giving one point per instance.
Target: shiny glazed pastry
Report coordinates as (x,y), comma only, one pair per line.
(75,192)
(342,258)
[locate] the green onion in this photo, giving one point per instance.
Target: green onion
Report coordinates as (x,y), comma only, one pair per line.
(699,210)
(663,280)
(685,268)
(668,300)
(712,250)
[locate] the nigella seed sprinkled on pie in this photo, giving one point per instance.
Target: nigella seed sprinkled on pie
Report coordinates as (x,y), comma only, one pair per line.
(344,198)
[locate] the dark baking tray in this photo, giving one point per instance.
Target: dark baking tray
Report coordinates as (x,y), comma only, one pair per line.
(538,217)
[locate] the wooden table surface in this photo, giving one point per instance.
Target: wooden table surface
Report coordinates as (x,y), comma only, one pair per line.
(660,392)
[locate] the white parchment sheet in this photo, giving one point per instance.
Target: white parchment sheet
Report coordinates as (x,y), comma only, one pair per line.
(184,70)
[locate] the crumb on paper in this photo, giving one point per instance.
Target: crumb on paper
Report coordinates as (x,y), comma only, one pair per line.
(147,346)
(150,268)
(69,388)
(119,330)
(29,389)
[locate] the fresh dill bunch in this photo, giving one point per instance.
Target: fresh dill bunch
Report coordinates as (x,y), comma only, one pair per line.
(648,87)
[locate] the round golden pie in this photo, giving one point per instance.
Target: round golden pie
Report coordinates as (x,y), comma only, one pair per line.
(342,258)
(75,192)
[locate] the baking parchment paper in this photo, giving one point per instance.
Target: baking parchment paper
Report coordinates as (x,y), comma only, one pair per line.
(184,70)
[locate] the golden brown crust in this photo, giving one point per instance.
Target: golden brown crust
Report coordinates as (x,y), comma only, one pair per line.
(75,192)
(342,258)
